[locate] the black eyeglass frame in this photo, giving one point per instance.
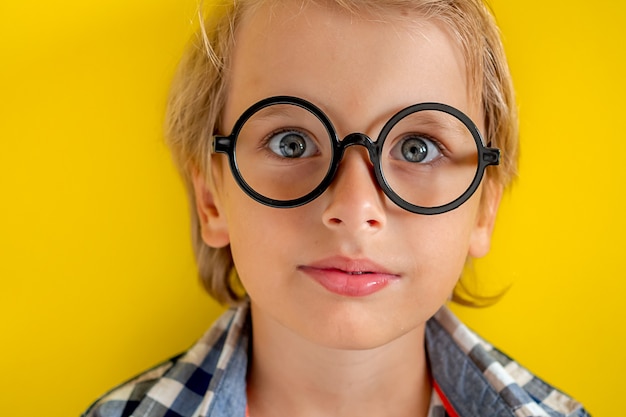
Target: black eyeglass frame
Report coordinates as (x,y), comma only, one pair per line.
(227,145)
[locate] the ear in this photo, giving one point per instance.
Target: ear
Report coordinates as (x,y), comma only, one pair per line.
(480,240)
(211,216)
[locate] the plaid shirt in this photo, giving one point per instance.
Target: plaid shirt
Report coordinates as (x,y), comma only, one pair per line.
(471,378)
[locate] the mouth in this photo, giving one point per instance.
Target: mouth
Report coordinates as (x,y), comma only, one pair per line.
(349,277)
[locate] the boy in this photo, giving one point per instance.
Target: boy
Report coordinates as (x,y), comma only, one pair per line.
(334,156)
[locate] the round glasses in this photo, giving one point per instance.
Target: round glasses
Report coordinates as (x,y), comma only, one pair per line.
(284,152)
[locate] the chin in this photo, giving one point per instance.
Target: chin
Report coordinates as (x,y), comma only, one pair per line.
(361,335)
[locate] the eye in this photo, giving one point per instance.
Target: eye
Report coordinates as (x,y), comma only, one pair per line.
(292,144)
(416,148)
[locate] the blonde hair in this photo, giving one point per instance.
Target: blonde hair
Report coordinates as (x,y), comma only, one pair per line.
(198,95)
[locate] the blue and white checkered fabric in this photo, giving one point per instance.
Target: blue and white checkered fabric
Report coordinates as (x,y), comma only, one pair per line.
(209,379)
(507,382)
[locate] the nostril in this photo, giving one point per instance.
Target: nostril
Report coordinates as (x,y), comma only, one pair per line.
(335,221)
(373,223)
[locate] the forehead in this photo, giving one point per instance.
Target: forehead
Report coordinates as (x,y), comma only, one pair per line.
(345,62)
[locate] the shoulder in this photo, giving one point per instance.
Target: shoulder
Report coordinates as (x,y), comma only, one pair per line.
(187,381)
(479,379)
(122,400)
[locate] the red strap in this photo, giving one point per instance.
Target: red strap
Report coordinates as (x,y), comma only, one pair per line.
(446,403)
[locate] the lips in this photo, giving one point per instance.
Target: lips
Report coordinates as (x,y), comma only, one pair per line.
(349,277)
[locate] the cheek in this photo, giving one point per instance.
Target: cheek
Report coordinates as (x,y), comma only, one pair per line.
(250,246)
(440,245)
(259,235)
(266,245)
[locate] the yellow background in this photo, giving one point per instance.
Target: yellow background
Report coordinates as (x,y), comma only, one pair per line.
(97,276)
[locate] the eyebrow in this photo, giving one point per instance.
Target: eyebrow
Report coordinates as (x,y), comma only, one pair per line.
(432,119)
(444,121)
(275,111)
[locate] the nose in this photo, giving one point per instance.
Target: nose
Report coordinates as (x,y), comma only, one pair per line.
(355,201)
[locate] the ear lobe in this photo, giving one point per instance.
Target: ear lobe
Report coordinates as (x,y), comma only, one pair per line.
(480,240)
(210,214)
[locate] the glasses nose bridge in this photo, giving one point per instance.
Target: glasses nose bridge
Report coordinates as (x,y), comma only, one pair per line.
(359,139)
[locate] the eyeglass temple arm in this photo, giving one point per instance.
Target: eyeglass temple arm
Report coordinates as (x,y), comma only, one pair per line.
(491,156)
(221,144)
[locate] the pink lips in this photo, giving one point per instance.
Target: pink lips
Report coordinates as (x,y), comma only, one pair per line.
(349,277)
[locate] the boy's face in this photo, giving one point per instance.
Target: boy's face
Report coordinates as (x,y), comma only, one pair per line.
(350,269)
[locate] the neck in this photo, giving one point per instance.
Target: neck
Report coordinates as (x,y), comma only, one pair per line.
(290,376)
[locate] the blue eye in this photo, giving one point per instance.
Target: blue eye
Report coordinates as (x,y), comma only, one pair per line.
(292,144)
(416,149)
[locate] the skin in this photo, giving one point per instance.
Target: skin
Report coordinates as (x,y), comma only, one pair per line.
(333,354)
